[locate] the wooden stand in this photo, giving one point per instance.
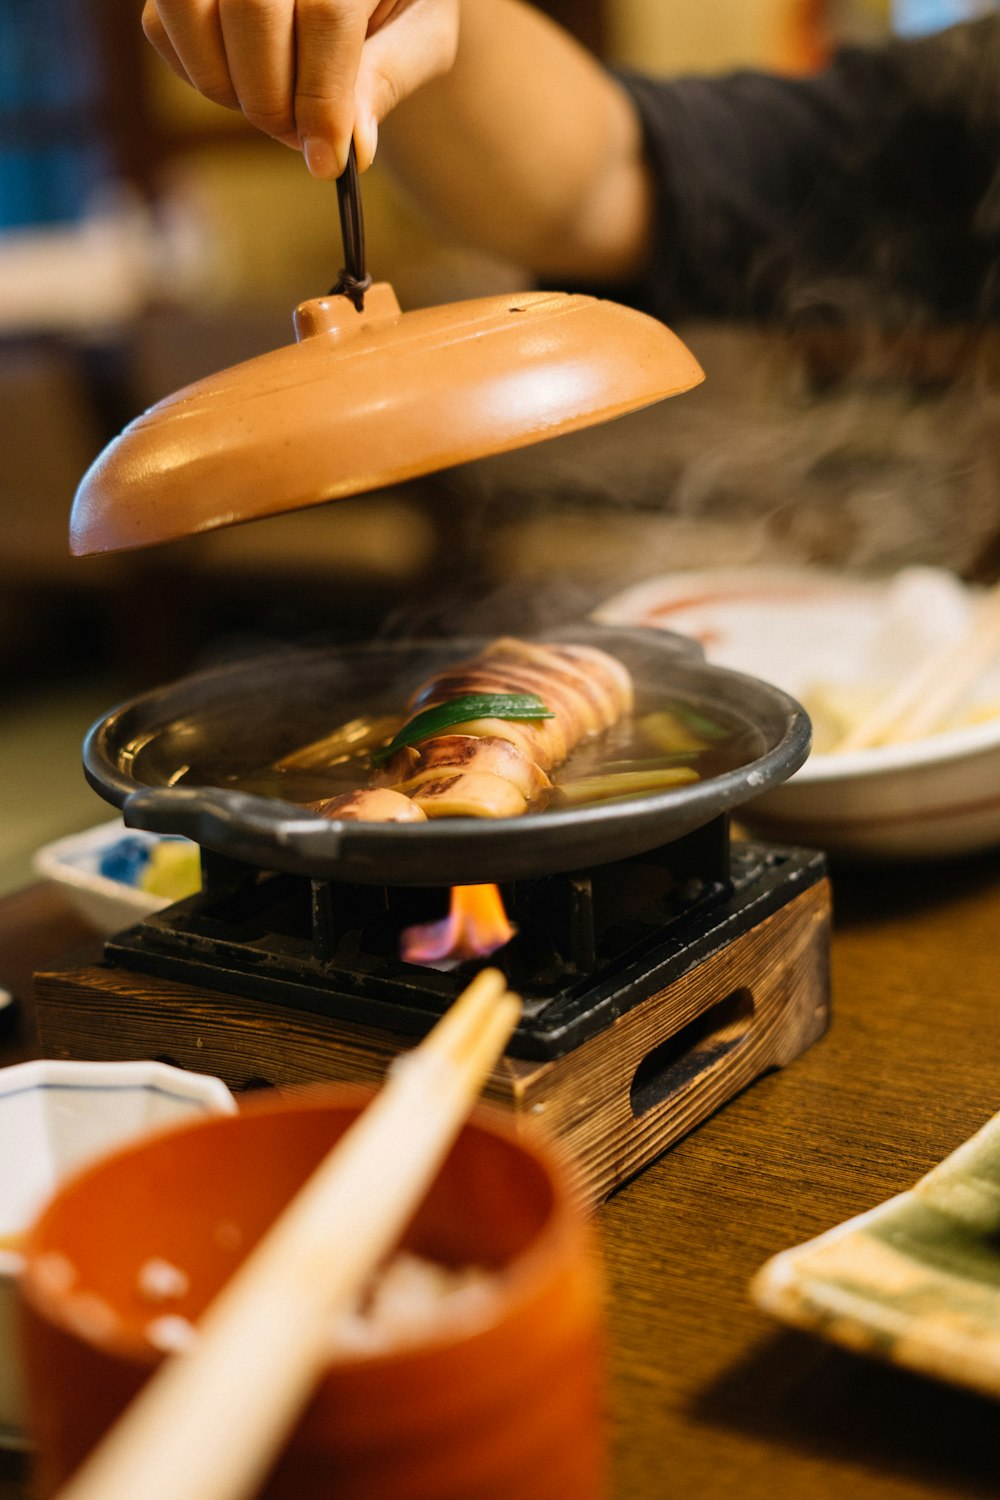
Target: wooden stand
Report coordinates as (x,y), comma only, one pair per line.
(615,1102)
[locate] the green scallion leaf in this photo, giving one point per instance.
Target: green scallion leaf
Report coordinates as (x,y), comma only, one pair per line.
(461,711)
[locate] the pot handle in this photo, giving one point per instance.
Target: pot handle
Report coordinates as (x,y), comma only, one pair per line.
(250,828)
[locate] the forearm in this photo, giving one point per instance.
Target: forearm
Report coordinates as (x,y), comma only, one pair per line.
(509,133)
(528,148)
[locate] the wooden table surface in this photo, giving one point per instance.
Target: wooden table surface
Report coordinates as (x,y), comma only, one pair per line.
(711,1398)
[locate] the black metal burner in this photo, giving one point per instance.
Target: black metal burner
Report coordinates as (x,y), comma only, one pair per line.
(588,946)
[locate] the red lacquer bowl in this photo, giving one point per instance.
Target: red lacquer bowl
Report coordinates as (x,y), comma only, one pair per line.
(506,1402)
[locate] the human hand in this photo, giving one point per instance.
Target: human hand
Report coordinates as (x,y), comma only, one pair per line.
(310,73)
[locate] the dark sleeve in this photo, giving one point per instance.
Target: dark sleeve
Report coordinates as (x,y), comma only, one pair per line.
(869,190)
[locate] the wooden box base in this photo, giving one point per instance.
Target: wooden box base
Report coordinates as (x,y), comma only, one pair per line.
(615,1102)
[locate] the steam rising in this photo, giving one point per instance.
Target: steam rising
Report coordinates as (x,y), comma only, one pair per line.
(893,464)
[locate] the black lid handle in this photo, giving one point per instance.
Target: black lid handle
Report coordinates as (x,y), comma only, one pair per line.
(353,280)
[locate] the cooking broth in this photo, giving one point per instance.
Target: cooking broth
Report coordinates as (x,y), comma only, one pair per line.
(709,742)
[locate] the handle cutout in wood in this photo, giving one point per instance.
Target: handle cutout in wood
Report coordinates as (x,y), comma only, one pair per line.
(675,1062)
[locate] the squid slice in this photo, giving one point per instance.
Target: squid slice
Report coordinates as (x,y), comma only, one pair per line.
(606,679)
(599,688)
(561,693)
(467,794)
(535,737)
(467,752)
(608,669)
(399,768)
(549,739)
(369,805)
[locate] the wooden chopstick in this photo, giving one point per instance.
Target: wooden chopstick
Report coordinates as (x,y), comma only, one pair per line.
(208,1423)
(926,695)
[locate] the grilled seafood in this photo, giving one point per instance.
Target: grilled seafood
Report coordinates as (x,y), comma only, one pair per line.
(450,753)
(495,767)
(370,805)
(467,794)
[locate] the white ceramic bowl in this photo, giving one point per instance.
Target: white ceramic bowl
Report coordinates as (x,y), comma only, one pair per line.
(56,1117)
(933,797)
(73,863)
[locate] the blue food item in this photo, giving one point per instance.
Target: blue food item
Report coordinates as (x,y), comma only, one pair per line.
(125,860)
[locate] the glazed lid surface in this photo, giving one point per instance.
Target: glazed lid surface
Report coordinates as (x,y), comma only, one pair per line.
(369,398)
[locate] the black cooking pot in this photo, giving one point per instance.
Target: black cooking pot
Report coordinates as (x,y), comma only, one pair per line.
(241,717)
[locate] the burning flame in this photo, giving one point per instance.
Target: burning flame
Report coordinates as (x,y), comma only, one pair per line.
(475,926)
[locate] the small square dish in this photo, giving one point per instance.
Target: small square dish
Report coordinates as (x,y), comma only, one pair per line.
(915,1281)
(114,876)
(56,1117)
(840,644)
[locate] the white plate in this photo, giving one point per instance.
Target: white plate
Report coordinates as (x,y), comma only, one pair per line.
(74,862)
(55,1118)
(800,628)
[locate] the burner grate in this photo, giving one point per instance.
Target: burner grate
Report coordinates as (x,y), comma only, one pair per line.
(658,988)
(589,945)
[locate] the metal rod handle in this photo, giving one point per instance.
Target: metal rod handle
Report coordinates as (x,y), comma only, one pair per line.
(354,279)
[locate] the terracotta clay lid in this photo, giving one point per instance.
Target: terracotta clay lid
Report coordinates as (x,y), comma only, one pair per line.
(369,398)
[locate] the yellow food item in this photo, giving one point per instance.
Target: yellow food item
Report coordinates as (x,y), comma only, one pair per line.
(610,786)
(666,733)
(174,870)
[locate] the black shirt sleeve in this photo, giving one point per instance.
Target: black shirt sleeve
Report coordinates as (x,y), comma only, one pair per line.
(869,191)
